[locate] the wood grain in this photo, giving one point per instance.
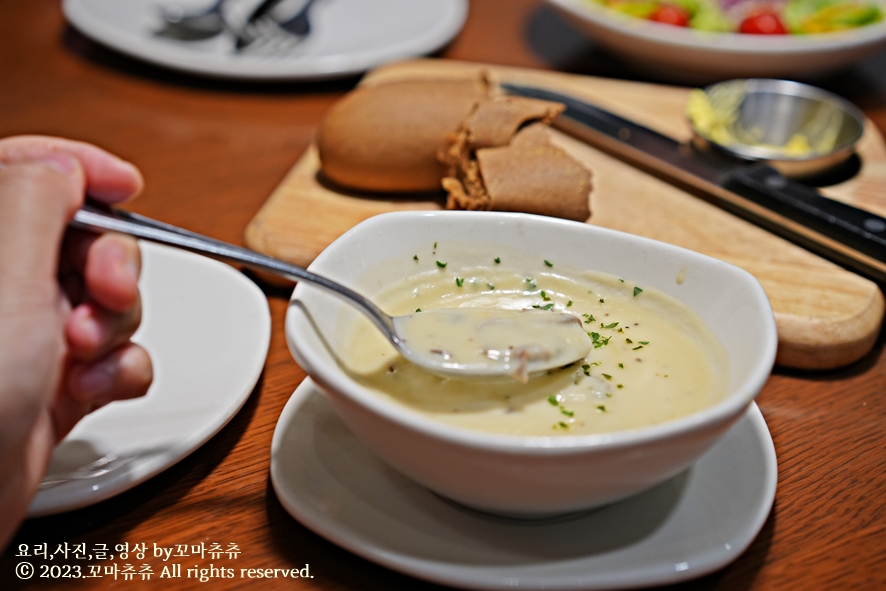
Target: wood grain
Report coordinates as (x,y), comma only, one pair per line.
(212,152)
(827,317)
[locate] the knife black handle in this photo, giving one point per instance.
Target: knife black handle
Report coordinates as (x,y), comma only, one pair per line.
(858,229)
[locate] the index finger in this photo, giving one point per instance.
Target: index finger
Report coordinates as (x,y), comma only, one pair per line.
(108,178)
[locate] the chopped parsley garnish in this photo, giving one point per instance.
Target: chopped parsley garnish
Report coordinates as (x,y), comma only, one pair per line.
(442,265)
(415,257)
(588,318)
(637,291)
(554,400)
(598,340)
(628,341)
(644,342)
(607,376)
(459,281)
(435,245)
(569,304)
(613,325)
(601,407)
(619,385)
(637,347)
(544,296)
(586,369)
(602,301)
(621,365)
(497,260)
(490,286)
(545,307)
(549,263)
(418,309)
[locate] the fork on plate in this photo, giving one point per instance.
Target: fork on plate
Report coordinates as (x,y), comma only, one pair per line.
(267,33)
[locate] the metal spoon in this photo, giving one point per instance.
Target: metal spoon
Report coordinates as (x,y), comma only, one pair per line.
(192,27)
(536,329)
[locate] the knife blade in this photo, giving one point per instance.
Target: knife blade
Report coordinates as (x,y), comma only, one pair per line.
(847,235)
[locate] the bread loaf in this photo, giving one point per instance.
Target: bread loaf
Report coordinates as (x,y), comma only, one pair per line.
(385,137)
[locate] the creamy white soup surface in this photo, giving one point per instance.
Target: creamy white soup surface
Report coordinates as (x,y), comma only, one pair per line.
(652,359)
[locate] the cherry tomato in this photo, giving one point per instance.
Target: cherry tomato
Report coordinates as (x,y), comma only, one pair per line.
(671,14)
(764,22)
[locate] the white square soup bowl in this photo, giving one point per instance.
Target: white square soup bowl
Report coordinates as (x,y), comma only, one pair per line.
(529,475)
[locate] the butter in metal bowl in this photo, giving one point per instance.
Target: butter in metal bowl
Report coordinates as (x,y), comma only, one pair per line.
(773,119)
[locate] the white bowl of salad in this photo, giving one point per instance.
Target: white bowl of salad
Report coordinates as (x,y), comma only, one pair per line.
(720,39)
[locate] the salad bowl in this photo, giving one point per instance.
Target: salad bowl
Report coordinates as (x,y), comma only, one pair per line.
(696,55)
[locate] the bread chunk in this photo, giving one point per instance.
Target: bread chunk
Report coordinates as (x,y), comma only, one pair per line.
(487,151)
(385,137)
(493,166)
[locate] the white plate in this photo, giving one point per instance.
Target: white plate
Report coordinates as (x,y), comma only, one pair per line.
(207,328)
(687,527)
(347,36)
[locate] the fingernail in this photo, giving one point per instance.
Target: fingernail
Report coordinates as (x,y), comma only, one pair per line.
(87,325)
(96,380)
(61,162)
(124,263)
(129,183)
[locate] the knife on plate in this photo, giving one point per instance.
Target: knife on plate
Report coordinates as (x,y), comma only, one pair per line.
(847,235)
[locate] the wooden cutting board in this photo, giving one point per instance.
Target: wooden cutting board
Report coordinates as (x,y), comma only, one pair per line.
(827,317)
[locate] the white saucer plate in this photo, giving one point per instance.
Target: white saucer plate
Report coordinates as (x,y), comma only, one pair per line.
(687,527)
(347,36)
(207,328)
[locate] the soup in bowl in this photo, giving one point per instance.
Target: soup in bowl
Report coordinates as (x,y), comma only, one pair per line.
(680,344)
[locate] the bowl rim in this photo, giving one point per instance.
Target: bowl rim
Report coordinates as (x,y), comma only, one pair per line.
(336,381)
(725,42)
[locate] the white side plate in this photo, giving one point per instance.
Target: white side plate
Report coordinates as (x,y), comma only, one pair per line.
(207,328)
(689,526)
(347,36)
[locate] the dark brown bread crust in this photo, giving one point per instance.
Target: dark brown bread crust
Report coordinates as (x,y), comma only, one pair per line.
(493,166)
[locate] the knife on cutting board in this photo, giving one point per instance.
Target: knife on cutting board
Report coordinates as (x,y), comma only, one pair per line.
(849,236)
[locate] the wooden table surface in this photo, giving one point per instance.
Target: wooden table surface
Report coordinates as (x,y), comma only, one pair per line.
(212,151)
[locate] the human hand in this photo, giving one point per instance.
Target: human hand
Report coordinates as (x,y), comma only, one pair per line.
(69,304)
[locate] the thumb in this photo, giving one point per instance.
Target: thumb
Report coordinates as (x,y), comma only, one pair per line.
(37,199)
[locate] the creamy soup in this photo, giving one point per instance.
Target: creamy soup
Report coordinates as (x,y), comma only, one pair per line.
(651,358)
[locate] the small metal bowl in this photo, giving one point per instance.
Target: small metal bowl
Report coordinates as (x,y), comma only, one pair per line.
(771,120)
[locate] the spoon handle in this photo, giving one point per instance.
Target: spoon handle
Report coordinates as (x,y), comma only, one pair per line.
(99,218)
